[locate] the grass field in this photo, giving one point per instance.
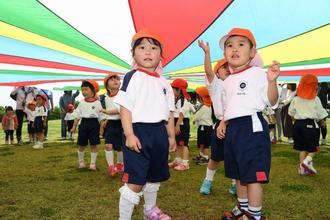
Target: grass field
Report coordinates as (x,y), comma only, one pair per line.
(46,184)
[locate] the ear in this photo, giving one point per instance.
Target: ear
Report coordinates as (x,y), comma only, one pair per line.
(253,52)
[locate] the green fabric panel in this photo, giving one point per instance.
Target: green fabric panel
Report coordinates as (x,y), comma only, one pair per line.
(32,16)
(66,88)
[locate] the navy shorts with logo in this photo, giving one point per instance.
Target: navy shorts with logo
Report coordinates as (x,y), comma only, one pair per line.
(150,165)
(204,134)
(114,134)
(305,135)
(217,145)
(248,153)
(38,124)
(89,130)
(182,139)
(30,127)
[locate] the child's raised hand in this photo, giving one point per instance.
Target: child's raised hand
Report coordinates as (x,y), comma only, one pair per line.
(133,143)
(204,46)
(273,71)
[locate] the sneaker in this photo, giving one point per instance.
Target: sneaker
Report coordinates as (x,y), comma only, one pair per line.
(45,138)
(156,214)
(120,167)
(81,165)
(20,142)
(182,167)
(290,141)
(308,165)
(236,213)
(302,171)
(92,166)
(112,171)
(197,157)
(206,187)
(202,161)
(7,142)
(38,146)
(173,164)
(324,142)
(232,189)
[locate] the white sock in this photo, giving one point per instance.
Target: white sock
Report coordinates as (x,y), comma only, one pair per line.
(185,162)
(127,200)
(233,182)
(244,203)
(150,195)
(255,211)
(210,174)
(93,157)
(309,158)
(109,157)
(81,155)
(178,159)
(120,157)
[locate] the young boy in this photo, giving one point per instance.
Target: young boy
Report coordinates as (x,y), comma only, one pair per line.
(40,120)
(247,146)
(29,111)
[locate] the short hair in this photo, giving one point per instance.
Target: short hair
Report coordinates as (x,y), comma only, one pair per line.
(9,108)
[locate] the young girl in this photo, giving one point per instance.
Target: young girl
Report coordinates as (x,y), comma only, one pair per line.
(88,111)
(39,122)
(9,124)
(203,121)
(182,125)
(69,119)
(146,103)
(306,109)
(114,129)
(29,111)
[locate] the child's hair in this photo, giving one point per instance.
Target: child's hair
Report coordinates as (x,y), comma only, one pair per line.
(91,84)
(151,41)
(106,79)
(9,108)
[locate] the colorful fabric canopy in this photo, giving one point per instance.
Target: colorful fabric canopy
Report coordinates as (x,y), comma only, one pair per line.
(69,40)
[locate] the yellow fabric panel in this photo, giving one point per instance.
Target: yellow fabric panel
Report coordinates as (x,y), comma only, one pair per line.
(29,37)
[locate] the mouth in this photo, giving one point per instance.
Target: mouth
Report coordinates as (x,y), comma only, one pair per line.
(148,59)
(235,56)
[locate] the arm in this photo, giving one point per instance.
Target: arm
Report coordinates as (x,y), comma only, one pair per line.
(272,75)
(75,123)
(132,142)
(207,60)
(15,90)
(171,133)
(178,123)
(113,111)
(75,94)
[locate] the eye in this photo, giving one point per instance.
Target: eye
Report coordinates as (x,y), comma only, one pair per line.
(241,44)
(154,48)
(229,45)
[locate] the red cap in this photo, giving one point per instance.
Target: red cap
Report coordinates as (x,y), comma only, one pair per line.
(70,107)
(204,94)
(146,33)
(307,87)
(183,85)
(239,32)
(219,64)
(43,96)
(94,84)
(111,74)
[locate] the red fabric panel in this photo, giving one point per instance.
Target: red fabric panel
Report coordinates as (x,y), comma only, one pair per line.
(317,72)
(179,23)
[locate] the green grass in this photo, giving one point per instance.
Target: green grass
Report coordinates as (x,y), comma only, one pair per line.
(46,184)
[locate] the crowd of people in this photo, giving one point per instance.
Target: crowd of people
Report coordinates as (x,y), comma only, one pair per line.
(238,113)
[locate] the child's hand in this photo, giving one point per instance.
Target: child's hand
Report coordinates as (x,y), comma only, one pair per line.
(322,123)
(103,110)
(273,71)
(73,129)
(133,143)
(177,129)
(33,125)
(172,144)
(221,130)
(205,47)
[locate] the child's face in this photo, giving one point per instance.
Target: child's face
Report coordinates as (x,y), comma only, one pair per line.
(147,56)
(223,72)
(114,83)
(176,92)
(238,51)
(87,92)
(10,112)
(40,101)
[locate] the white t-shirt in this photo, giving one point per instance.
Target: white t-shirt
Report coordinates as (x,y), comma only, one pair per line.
(204,116)
(148,97)
(29,114)
(89,110)
(109,104)
(307,109)
(216,93)
(40,111)
(246,93)
(69,116)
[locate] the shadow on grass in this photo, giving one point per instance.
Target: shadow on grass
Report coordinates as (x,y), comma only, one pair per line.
(6,154)
(296,188)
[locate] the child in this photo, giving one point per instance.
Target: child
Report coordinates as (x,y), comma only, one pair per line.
(9,124)
(306,109)
(247,146)
(39,122)
(146,103)
(88,111)
(182,125)
(69,119)
(29,111)
(114,129)
(203,121)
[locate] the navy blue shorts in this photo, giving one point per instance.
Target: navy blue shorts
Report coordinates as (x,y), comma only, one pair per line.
(89,130)
(151,164)
(217,145)
(69,124)
(38,124)
(305,135)
(114,134)
(31,129)
(247,153)
(204,134)
(182,139)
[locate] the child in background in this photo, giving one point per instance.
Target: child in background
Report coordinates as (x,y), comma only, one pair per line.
(88,111)
(270,118)
(9,124)
(146,104)
(113,129)
(29,111)
(247,144)
(69,119)
(39,121)
(203,121)
(182,124)
(307,110)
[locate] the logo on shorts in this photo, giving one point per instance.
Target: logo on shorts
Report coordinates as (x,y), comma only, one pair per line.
(242,85)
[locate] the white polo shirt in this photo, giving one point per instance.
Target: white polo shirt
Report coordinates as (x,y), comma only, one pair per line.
(110,104)
(246,93)
(40,111)
(87,109)
(216,93)
(203,116)
(148,96)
